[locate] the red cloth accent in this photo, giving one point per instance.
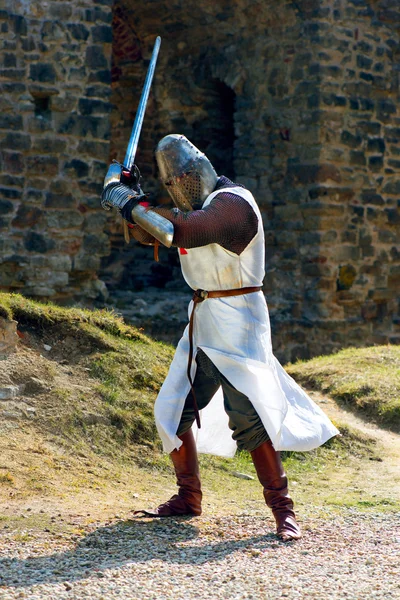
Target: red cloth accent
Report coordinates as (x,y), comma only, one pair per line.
(182,251)
(144,203)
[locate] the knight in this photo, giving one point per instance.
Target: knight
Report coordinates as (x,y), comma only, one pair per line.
(225,389)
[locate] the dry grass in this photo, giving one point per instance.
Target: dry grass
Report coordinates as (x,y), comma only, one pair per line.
(366,379)
(93,436)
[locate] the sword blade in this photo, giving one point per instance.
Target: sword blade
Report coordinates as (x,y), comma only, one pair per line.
(137,125)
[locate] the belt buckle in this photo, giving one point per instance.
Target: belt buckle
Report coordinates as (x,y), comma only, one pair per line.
(201,294)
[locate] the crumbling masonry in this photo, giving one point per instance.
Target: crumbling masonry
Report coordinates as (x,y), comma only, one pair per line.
(297,100)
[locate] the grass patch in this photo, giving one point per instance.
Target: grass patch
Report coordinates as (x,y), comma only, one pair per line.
(123,371)
(46,315)
(94,392)
(365,379)
(6,479)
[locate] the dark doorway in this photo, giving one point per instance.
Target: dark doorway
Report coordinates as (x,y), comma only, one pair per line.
(215,136)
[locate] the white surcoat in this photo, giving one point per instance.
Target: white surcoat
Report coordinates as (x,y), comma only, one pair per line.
(235,334)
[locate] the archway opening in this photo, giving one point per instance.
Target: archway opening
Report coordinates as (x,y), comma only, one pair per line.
(215,135)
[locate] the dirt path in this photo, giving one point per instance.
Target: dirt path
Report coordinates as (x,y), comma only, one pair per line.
(86,546)
(383,475)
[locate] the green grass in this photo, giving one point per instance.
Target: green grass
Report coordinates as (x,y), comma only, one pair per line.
(46,315)
(365,379)
(126,369)
(120,370)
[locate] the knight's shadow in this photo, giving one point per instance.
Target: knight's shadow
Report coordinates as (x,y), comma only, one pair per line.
(133,541)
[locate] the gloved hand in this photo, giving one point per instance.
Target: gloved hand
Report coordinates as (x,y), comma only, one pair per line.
(121,188)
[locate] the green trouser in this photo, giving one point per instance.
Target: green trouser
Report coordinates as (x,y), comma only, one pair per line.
(248,430)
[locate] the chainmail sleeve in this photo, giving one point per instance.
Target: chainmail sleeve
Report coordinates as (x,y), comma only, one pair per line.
(142,236)
(228,220)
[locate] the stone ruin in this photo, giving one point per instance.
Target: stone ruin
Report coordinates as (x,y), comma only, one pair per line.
(298,100)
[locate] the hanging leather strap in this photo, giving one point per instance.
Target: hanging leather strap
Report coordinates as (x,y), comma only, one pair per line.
(200,296)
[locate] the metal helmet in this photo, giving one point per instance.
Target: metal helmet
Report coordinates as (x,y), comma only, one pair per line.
(185,171)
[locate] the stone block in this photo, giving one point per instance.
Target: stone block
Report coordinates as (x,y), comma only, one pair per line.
(91,187)
(78,31)
(86,262)
(392,187)
(392,134)
(47,145)
(96,14)
(11,121)
(64,219)
(354,103)
(316,270)
(88,106)
(38,242)
(43,165)
(28,44)
(375,163)
(393,215)
(93,243)
(357,158)
(322,209)
(98,91)
(307,174)
(348,236)
(78,167)
(371,197)
(60,200)
(17,141)
(333,193)
(102,34)
(64,103)
(12,74)
(83,126)
(376,145)
(367,251)
(95,58)
(10,193)
(366,104)
(95,221)
(369,127)
(394,163)
(367,77)
(328,237)
(385,109)
(6,206)
(351,140)
(101,76)
(43,72)
(12,181)
(27,216)
(41,291)
(364,62)
(388,237)
(347,252)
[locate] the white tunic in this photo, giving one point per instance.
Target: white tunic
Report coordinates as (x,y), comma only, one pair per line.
(235,334)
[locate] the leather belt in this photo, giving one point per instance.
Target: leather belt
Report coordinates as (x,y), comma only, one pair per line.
(200,296)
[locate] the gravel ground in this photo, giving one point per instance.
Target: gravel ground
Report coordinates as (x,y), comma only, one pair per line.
(354,556)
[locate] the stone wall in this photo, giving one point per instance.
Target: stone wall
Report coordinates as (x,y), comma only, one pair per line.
(54,132)
(296,100)
(311,90)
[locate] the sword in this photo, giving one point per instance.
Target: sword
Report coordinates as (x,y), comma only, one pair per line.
(121,182)
(137,125)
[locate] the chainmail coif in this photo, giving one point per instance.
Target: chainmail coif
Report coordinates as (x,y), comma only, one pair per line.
(228,220)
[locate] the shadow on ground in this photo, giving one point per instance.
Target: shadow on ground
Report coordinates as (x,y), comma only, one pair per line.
(133,541)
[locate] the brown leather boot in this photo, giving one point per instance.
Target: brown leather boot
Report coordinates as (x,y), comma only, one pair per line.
(188,499)
(272,477)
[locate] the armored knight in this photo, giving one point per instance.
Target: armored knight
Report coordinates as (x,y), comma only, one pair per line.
(223,367)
